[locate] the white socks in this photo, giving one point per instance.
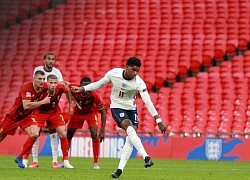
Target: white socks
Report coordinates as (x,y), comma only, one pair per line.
(126,152)
(25,162)
(54,146)
(35,150)
(135,140)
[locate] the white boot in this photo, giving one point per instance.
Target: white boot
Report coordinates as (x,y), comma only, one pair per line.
(67,165)
(96,166)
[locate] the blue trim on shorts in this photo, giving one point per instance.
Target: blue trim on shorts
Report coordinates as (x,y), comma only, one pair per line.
(120,114)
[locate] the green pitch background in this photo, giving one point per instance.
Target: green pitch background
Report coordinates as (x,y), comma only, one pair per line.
(162,169)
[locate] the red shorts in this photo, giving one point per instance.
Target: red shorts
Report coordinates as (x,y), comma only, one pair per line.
(77,120)
(9,126)
(56,119)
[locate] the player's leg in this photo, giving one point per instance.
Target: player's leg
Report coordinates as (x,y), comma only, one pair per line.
(75,122)
(33,132)
(40,119)
(34,151)
(95,144)
(136,141)
(125,155)
(70,135)
(8,127)
(54,145)
(61,130)
(133,116)
(128,121)
(119,115)
(26,157)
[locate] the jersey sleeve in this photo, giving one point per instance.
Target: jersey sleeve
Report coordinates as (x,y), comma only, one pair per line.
(63,87)
(96,85)
(141,85)
(26,92)
(142,88)
(60,77)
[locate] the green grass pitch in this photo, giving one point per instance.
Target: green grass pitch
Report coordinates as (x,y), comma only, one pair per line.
(162,169)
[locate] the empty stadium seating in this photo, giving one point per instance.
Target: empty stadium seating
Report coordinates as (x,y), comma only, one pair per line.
(172,38)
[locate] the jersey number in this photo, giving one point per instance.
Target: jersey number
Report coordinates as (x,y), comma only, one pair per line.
(121,94)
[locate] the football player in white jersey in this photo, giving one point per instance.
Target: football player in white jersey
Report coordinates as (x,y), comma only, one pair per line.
(125,84)
(48,68)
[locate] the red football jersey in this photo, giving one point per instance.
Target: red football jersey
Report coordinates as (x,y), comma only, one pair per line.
(89,103)
(28,93)
(54,100)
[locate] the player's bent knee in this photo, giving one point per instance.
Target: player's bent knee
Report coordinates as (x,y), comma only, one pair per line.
(34,135)
(62,135)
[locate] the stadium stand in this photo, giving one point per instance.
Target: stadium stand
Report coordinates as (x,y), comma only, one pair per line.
(178,41)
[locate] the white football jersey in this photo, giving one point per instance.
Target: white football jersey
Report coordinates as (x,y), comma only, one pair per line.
(54,71)
(123,93)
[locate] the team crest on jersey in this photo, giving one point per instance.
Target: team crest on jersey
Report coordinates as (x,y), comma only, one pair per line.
(124,85)
(121,114)
(28,94)
(213,149)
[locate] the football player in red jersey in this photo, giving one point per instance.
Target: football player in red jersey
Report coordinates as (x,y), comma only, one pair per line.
(21,115)
(51,113)
(90,104)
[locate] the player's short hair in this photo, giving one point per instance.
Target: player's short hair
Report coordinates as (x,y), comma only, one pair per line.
(133,61)
(39,72)
(51,76)
(85,79)
(49,53)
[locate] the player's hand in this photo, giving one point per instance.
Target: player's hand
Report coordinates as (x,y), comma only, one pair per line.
(162,127)
(101,135)
(76,89)
(46,100)
(65,83)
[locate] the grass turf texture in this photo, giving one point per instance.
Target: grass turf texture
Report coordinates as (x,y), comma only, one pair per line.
(162,169)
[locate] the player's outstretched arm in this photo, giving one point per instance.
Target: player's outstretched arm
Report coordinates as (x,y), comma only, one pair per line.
(69,97)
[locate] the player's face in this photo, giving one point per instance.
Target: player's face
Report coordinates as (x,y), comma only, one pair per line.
(132,71)
(39,80)
(49,61)
(52,83)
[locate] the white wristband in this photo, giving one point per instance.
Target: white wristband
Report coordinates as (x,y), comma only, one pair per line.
(158,120)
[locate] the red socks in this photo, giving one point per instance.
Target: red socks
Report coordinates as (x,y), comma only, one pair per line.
(96,149)
(65,148)
(27,154)
(27,147)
